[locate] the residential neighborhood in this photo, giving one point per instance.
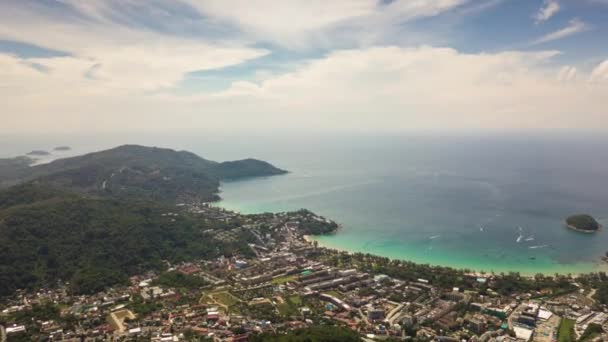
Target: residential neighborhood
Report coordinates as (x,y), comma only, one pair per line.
(288,282)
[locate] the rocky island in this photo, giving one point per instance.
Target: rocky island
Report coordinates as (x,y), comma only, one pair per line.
(62,148)
(38,153)
(583,223)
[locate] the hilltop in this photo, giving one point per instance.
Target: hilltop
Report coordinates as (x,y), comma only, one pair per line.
(135,172)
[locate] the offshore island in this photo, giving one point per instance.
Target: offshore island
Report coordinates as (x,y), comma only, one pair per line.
(583,223)
(126,244)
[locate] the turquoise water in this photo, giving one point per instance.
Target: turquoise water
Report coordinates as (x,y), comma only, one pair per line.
(482,203)
(453,201)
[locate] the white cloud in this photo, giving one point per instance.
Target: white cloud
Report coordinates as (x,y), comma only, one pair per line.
(600,73)
(116,75)
(376,89)
(566,73)
(300,23)
(574,26)
(548,10)
(118,56)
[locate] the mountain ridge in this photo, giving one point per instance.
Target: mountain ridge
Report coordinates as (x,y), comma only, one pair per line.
(136,171)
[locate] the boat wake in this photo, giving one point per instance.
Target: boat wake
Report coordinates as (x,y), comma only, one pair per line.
(539,246)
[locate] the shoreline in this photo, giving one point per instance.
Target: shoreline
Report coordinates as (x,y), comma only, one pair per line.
(599,228)
(597,265)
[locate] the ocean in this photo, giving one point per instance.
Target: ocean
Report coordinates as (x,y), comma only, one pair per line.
(481,202)
(495,204)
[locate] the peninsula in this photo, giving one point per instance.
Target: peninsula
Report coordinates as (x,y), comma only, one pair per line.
(137,172)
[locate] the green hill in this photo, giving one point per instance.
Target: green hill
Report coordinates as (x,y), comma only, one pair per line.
(245,168)
(48,235)
(11,169)
(136,172)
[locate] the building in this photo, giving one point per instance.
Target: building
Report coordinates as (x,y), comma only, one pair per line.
(116,319)
(375,314)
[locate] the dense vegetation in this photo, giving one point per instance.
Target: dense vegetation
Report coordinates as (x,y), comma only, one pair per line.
(311,224)
(179,280)
(245,168)
(47,236)
(602,292)
(565,332)
(583,222)
(445,277)
(136,172)
(12,168)
(593,330)
(317,334)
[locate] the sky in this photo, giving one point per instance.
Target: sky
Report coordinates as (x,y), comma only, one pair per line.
(302,66)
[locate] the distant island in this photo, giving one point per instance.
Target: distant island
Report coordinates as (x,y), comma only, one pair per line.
(38,153)
(583,223)
(62,148)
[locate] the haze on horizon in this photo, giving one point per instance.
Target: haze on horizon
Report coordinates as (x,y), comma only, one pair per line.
(237,66)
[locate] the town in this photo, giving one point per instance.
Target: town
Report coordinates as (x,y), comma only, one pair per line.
(286,282)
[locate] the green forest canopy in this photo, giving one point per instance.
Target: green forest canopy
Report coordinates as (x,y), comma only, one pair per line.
(583,222)
(48,235)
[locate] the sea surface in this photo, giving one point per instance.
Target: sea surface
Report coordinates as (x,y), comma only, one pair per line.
(480,202)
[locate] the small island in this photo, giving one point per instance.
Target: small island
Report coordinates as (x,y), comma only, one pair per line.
(62,148)
(583,223)
(38,153)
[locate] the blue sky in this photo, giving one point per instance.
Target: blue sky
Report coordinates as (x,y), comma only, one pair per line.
(344,65)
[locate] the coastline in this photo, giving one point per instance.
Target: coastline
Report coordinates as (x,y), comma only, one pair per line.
(573,269)
(480,266)
(600,227)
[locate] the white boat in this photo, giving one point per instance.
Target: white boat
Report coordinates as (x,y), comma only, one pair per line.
(540,246)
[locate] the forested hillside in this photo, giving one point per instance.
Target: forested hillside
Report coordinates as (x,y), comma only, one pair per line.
(48,235)
(137,172)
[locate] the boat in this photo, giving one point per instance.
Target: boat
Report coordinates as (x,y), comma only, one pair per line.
(539,246)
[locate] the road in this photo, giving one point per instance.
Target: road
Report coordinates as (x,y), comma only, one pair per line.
(394,314)
(517,310)
(591,294)
(363,317)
